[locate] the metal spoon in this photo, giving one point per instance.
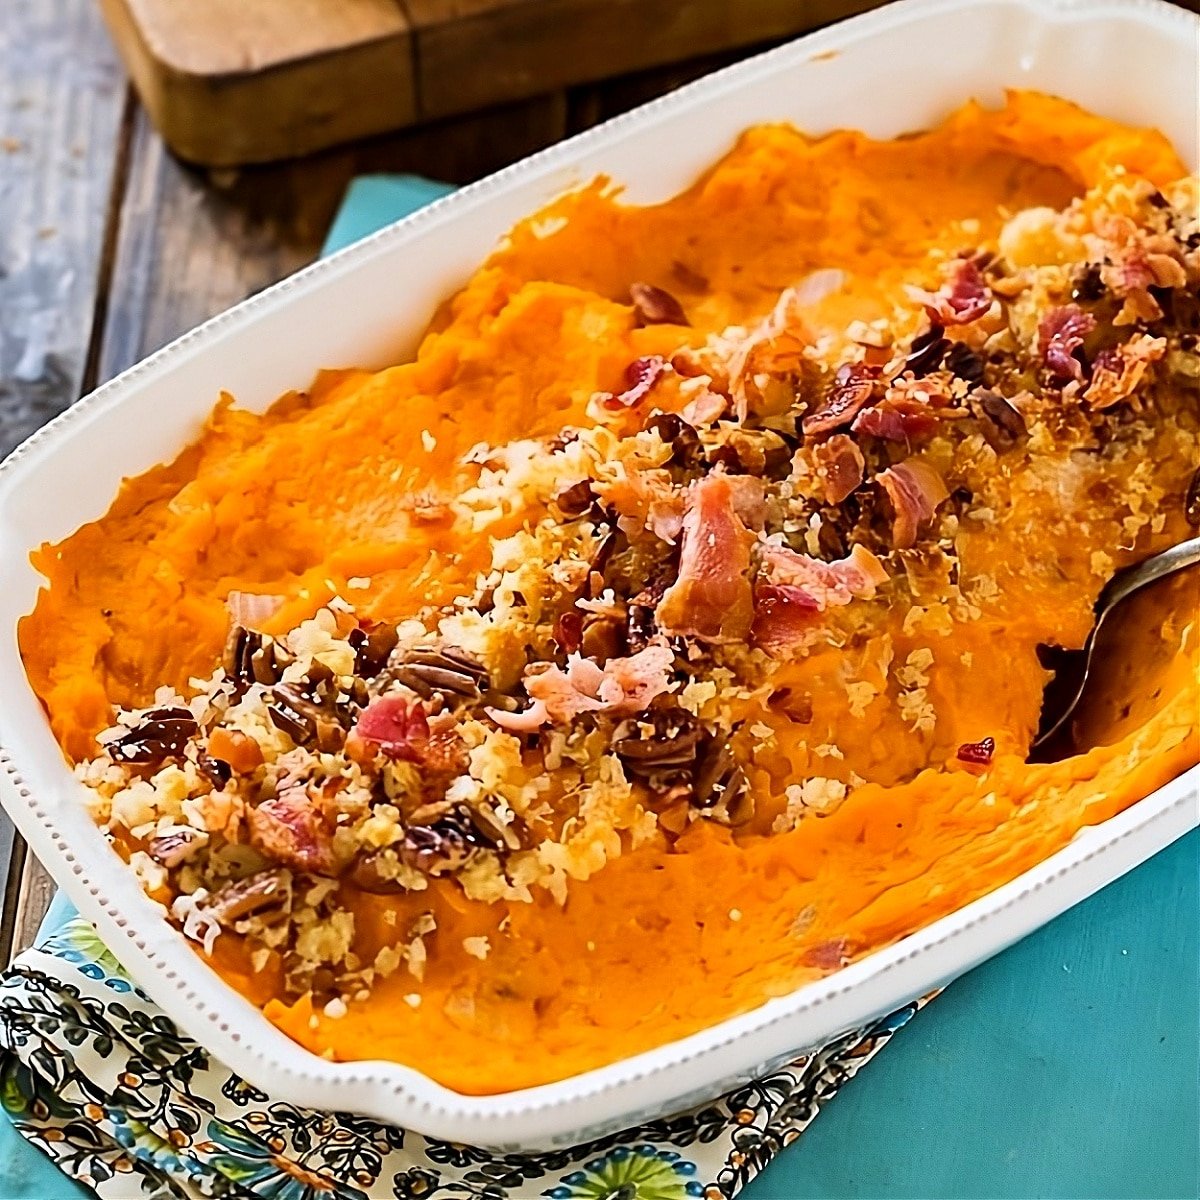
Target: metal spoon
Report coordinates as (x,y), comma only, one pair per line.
(1066,690)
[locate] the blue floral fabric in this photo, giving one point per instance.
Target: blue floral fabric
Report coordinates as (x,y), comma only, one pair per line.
(102,1081)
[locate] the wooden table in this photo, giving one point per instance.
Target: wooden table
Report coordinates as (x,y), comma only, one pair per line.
(110,248)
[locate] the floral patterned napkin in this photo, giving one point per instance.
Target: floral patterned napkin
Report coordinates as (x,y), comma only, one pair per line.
(97,1077)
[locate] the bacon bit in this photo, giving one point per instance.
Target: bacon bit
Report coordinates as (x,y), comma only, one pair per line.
(623,687)
(830,584)
(711,598)
(568,631)
(841,467)
(963,298)
(1060,333)
(853,386)
(898,420)
(704,409)
(291,828)
(977,753)
(654,306)
(1137,265)
(640,377)
(749,500)
(398,724)
(915,490)
(794,587)
(783,615)
(252,611)
(1118,372)
(828,956)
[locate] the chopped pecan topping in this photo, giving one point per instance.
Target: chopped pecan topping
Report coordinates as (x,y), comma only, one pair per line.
(1000,417)
(682,437)
(377,871)
(654,306)
(254,894)
(442,670)
(253,657)
(659,748)
(852,390)
(308,716)
(575,500)
(720,788)
(172,849)
(964,362)
(1191,501)
(927,351)
(444,846)
(161,733)
(216,770)
(373,645)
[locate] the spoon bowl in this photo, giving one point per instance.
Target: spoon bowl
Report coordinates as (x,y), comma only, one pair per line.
(1073,668)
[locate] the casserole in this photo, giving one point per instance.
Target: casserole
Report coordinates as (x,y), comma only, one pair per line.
(252,350)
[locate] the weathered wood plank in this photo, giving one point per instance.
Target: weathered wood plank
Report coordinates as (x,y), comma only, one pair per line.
(62,109)
(61,100)
(191,244)
(475,53)
(230,82)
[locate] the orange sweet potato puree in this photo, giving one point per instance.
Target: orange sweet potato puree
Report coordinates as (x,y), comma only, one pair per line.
(319,491)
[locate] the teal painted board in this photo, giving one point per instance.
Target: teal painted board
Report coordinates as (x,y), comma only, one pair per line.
(1069,1066)
(373,201)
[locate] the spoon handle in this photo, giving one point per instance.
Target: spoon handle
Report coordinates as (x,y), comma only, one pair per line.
(1185,554)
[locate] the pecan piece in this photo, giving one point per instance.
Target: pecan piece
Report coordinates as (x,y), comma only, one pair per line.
(655,306)
(720,788)
(444,670)
(372,646)
(254,894)
(161,733)
(926,352)
(171,849)
(445,846)
(1191,503)
(377,872)
(659,749)
(305,719)
(852,390)
(1000,417)
(253,657)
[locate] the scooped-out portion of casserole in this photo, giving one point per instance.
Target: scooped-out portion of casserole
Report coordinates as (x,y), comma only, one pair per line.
(671,631)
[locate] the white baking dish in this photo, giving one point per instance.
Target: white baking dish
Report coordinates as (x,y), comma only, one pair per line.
(897,69)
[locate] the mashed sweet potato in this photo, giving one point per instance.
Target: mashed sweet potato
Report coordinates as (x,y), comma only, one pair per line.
(736,524)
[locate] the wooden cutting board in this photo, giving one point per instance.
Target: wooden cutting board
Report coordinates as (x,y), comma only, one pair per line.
(240,81)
